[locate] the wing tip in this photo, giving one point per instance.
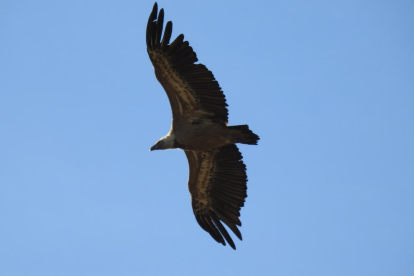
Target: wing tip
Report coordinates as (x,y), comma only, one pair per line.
(211,223)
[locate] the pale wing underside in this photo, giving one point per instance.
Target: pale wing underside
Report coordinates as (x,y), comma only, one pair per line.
(190,87)
(217,184)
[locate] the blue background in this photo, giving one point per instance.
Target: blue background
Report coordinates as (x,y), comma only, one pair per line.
(328,86)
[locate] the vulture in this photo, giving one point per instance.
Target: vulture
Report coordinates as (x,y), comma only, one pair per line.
(217,180)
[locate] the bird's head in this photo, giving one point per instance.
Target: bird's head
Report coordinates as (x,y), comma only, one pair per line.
(159,145)
(167,142)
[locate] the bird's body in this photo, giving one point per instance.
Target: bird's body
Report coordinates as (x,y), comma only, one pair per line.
(217,180)
(202,135)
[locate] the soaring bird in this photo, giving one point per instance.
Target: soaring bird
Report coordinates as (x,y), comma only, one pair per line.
(217,180)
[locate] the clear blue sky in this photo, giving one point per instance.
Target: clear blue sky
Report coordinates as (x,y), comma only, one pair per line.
(328,86)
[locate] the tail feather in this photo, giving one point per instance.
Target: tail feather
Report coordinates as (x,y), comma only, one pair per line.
(245,135)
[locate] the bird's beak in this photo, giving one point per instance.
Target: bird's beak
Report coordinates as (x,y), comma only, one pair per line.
(154,147)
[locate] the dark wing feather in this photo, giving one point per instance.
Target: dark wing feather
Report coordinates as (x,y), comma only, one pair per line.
(190,87)
(217,184)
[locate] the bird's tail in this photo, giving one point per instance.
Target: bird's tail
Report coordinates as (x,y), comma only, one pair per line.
(244,135)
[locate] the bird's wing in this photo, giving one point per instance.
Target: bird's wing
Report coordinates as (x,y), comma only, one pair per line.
(191,88)
(217,184)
